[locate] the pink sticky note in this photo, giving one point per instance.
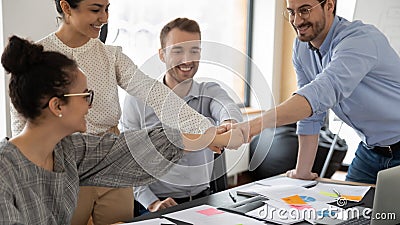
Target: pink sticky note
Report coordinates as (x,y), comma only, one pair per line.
(210,212)
(301,207)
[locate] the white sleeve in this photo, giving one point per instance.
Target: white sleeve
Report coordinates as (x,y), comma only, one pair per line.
(145,196)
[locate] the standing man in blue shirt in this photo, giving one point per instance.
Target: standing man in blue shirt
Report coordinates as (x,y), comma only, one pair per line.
(348,67)
(190,178)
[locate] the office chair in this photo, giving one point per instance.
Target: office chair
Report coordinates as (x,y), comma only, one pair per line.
(282,155)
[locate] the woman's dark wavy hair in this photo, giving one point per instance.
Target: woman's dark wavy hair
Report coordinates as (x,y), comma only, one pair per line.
(36,75)
(72,3)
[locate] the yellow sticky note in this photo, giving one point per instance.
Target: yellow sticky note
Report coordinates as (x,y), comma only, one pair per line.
(329,194)
(294,200)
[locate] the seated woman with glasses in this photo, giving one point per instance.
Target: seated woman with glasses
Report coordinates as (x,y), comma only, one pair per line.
(41,168)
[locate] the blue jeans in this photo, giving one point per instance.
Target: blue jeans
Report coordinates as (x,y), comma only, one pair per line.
(366,164)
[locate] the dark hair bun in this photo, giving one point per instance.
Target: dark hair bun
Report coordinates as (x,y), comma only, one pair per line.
(20,55)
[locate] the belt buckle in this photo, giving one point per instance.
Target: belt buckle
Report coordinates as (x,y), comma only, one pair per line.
(384,150)
(388,147)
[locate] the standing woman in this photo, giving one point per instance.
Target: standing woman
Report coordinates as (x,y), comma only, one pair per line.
(42,167)
(106,68)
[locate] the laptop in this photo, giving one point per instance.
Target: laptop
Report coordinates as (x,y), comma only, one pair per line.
(386,208)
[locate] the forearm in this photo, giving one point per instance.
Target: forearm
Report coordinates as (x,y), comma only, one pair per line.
(231,139)
(308,145)
(292,110)
(193,142)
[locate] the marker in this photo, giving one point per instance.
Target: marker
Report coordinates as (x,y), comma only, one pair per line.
(233,198)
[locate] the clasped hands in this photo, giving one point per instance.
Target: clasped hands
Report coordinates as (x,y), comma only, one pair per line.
(237,134)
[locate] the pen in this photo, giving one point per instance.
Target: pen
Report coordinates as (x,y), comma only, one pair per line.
(233,198)
(336,192)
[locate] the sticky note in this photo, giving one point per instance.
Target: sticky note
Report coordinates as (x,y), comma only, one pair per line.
(352,197)
(294,200)
(301,207)
(210,212)
(329,194)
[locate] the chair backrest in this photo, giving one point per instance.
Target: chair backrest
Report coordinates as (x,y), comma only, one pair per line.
(282,155)
(219,178)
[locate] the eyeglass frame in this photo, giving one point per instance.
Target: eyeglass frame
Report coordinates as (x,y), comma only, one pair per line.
(89,97)
(288,13)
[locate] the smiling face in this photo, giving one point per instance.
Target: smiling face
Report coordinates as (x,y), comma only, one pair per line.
(181,55)
(88,18)
(76,108)
(315,26)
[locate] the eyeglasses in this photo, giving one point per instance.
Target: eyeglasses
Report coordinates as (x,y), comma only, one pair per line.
(89,95)
(303,12)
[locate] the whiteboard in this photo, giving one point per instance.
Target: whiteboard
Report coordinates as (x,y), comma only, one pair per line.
(384,14)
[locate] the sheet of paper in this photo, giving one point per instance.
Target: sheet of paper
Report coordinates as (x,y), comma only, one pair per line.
(348,192)
(156,221)
(254,190)
(209,215)
(274,213)
(287,194)
(287,181)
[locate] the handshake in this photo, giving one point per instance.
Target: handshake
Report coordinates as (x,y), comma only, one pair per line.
(227,135)
(230,135)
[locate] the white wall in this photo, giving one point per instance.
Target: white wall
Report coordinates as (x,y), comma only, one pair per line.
(31,19)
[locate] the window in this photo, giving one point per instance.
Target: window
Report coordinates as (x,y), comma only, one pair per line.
(136,25)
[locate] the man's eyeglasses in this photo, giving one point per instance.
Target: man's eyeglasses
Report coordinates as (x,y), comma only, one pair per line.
(303,12)
(89,95)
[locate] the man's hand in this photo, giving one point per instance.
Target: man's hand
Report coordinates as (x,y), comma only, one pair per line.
(244,127)
(157,205)
(236,138)
(303,176)
(216,149)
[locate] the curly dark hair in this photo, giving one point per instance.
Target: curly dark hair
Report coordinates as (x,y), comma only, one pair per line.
(36,75)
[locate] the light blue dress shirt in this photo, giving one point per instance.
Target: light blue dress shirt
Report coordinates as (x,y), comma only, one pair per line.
(358,78)
(192,173)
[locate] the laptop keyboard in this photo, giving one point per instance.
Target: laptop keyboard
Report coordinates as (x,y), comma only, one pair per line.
(356,221)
